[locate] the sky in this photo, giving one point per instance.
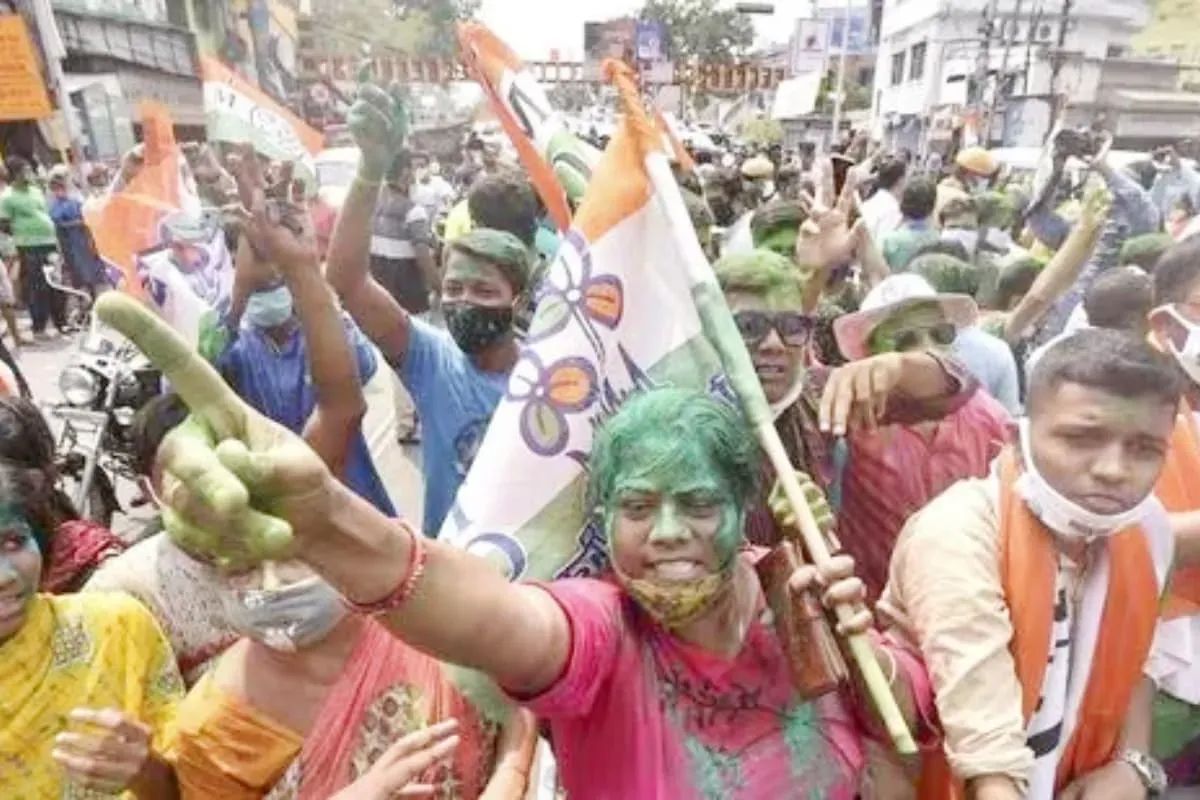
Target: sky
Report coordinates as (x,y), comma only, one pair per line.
(534,27)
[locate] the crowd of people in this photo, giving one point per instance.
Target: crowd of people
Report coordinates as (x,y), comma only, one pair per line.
(986,381)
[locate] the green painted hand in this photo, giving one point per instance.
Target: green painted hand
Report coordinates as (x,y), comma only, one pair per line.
(237,486)
(785,517)
(378,122)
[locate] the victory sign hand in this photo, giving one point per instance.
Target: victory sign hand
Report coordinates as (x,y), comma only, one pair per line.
(236,485)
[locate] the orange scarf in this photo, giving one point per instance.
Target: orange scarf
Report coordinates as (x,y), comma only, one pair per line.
(1179,490)
(1028,570)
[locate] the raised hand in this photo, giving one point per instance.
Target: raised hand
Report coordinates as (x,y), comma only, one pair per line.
(856,395)
(278,230)
(109,753)
(826,241)
(1097,203)
(378,122)
(236,485)
(785,515)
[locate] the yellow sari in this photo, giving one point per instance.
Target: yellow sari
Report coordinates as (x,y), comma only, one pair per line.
(94,651)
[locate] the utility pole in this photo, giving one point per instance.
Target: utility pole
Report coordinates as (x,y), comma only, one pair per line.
(983,59)
(840,99)
(1035,21)
(1010,35)
(1060,52)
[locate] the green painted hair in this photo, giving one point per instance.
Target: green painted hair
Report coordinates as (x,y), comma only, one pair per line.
(1145,251)
(996,210)
(763,274)
(950,275)
(779,214)
(666,430)
(510,255)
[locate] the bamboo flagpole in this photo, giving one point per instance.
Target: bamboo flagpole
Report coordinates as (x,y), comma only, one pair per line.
(721,331)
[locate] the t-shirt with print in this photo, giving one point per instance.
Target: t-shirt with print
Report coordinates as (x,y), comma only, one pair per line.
(455,400)
(27,212)
(639,713)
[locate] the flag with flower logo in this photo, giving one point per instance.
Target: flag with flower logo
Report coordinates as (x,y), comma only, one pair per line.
(158,244)
(616,315)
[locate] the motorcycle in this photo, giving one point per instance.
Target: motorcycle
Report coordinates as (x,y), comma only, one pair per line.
(107,382)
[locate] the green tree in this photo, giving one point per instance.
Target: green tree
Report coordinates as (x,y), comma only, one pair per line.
(417,27)
(762,131)
(699,30)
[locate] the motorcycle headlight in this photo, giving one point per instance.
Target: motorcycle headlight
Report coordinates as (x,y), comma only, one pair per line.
(78,386)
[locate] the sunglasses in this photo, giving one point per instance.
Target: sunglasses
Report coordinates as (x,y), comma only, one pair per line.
(942,334)
(755,326)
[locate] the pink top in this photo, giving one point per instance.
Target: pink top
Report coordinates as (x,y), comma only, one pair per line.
(638,713)
(895,471)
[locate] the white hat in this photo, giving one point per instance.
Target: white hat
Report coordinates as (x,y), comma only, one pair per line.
(853,331)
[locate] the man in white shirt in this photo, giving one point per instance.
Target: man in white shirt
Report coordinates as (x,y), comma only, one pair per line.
(430,190)
(882,212)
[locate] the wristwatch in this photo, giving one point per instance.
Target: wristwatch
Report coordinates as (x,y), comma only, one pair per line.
(1151,773)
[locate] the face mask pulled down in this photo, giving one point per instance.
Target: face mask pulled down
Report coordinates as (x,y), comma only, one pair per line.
(286,619)
(475,328)
(675,604)
(1188,358)
(1062,515)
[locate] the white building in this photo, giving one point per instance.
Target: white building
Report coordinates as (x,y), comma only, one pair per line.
(929,52)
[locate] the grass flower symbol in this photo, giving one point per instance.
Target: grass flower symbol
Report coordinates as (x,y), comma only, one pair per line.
(571,292)
(549,394)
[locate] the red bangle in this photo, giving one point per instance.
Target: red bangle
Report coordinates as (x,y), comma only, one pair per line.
(407,586)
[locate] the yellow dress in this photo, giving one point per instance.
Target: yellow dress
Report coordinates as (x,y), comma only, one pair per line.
(86,650)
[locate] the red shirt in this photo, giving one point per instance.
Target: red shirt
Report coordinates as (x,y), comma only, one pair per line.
(894,471)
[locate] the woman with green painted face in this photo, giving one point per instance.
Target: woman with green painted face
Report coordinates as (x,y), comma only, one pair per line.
(924,447)
(88,683)
(662,680)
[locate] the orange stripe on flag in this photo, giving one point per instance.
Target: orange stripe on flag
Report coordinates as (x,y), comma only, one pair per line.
(494,66)
(126,222)
(620,186)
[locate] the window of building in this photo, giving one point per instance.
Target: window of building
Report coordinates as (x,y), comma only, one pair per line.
(916,65)
(898,68)
(1043,33)
(1115,51)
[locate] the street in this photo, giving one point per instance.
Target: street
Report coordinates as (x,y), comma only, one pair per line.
(399,467)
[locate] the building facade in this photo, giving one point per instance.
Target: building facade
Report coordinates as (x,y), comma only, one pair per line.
(932,53)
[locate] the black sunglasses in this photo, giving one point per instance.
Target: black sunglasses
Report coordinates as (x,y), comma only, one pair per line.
(942,334)
(755,326)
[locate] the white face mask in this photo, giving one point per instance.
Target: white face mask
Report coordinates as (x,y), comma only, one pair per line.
(1189,356)
(288,618)
(1066,517)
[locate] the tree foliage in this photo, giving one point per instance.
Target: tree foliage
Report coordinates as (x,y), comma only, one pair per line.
(699,30)
(417,27)
(762,131)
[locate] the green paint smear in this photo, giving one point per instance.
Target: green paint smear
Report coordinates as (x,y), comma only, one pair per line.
(552,537)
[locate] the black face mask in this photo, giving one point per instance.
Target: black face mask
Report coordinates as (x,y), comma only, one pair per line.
(475,328)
